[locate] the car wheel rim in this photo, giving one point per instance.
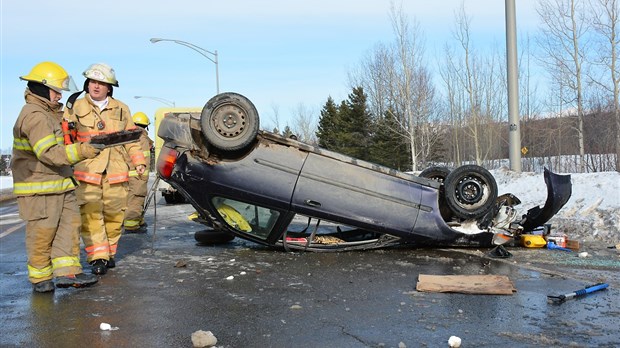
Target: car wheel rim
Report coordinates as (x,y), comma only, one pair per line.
(229,121)
(469,191)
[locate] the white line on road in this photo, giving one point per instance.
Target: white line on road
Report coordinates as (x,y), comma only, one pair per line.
(12,229)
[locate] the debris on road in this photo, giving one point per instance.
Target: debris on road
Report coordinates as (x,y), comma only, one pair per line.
(467,284)
(107,327)
(533,241)
(578,293)
(203,339)
(454,342)
(552,246)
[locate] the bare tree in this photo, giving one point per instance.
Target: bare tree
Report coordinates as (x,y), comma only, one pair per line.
(454,100)
(305,125)
(469,77)
(375,78)
(397,82)
(563,43)
(276,117)
(606,22)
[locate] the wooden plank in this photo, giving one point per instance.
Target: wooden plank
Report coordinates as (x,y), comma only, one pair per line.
(467,284)
(572,244)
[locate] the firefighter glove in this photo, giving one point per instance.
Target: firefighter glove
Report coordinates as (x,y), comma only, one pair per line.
(88,151)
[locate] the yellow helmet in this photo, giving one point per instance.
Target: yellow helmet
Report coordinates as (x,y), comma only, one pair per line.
(51,75)
(101,72)
(140,118)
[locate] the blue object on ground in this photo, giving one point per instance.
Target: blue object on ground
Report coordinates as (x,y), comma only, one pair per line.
(580,292)
(553,246)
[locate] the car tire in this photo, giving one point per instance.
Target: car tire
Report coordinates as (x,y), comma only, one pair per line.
(229,122)
(437,173)
(173,197)
(212,237)
(471,191)
(440,173)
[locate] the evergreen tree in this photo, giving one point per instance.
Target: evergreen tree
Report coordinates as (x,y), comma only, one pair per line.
(327,129)
(356,124)
(388,146)
(287,132)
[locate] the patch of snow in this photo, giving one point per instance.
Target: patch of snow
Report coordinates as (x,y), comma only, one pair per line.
(591,213)
(6,182)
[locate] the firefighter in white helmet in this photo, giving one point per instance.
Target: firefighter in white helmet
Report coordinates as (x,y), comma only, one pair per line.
(134,215)
(44,185)
(102,194)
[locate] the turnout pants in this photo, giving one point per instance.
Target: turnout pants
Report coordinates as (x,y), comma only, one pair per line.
(103,209)
(135,202)
(52,235)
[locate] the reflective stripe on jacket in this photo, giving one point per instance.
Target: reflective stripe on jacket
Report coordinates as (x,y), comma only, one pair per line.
(41,163)
(145,144)
(114,117)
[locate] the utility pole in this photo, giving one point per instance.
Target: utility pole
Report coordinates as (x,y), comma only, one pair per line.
(514,128)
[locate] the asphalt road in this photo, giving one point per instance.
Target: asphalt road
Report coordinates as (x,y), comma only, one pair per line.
(165,287)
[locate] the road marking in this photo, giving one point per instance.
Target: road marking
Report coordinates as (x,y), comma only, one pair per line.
(10,219)
(12,229)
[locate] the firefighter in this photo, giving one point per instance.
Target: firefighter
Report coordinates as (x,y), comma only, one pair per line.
(134,215)
(44,185)
(102,194)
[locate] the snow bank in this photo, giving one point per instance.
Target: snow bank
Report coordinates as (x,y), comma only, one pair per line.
(592,212)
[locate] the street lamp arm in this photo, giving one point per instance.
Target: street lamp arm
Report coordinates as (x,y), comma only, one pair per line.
(161,100)
(198,49)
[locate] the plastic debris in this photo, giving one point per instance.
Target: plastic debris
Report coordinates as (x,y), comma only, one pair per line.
(203,339)
(553,246)
(107,327)
(454,341)
(230,278)
(583,254)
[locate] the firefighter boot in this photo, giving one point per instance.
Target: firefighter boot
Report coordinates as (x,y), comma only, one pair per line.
(111,263)
(44,286)
(99,266)
(76,280)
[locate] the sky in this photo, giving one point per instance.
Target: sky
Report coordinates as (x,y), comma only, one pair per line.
(282,54)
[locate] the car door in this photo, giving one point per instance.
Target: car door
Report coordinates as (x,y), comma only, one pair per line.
(334,188)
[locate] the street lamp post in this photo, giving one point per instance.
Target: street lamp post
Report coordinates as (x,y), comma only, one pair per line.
(161,100)
(202,52)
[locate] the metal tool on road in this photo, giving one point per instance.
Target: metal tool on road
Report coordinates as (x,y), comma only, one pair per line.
(578,293)
(151,197)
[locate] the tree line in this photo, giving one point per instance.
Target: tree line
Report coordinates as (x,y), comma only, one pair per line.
(407,113)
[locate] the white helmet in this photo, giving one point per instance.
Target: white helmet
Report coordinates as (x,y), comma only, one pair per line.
(101,72)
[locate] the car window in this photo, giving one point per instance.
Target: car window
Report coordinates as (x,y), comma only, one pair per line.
(322,232)
(247,218)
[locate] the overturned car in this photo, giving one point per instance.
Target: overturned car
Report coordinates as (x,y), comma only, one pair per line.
(280,192)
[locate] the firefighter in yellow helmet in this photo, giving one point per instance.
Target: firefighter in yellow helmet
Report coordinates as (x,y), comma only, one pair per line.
(134,215)
(102,194)
(44,185)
